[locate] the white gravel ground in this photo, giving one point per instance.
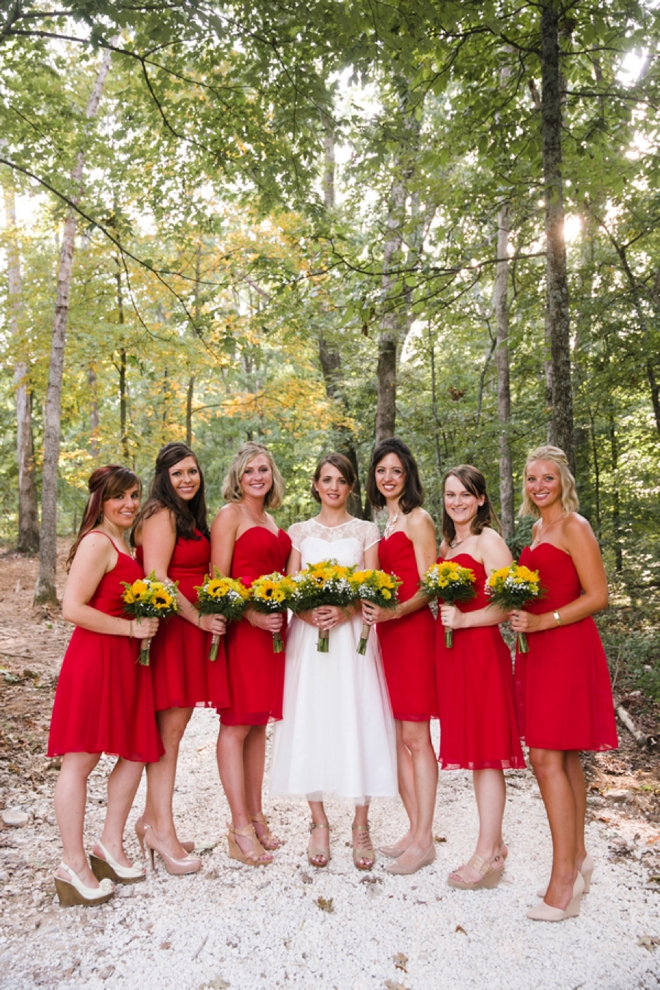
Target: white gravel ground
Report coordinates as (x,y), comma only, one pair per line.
(248,929)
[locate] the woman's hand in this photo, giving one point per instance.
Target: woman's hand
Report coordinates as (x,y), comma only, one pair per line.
(261,620)
(452,617)
(328,616)
(216,624)
(372,613)
(525,622)
(144,628)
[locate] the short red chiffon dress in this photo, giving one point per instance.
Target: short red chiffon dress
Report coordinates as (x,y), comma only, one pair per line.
(478,725)
(256,672)
(563,690)
(182,673)
(408,644)
(104,701)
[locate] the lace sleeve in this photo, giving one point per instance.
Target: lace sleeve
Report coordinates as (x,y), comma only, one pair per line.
(297,535)
(371,534)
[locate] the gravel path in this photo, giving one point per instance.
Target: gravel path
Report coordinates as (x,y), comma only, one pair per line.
(291,926)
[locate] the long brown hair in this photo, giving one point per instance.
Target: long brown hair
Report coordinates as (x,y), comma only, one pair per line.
(343,465)
(104,483)
(475,483)
(188,516)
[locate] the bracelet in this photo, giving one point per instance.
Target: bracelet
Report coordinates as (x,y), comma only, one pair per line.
(130,629)
(557,618)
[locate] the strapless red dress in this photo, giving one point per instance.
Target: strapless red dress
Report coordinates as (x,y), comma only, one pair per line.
(182,673)
(478,726)
(104,701)
(256,673)
(408,644)
(563,690)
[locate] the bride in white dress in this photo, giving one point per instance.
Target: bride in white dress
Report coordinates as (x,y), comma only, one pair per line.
(337,732)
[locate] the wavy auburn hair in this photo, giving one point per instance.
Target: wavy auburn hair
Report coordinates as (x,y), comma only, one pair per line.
(474,482)
(231,486)
(104,483)
(413,493)
(569,497)
(188,516)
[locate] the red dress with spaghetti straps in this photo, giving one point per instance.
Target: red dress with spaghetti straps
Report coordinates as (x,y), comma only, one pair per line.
(478,726)
(104,700)
(182,673)
(563,690)
(256,673)
(408,644)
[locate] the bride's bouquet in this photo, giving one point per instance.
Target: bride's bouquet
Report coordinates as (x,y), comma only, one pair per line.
(149,599)
(377,587)
(514,587)
(221,596)
(452,583)
(271,594)
(325,583)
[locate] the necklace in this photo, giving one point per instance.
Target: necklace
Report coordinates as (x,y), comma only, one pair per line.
(389,527)
(457,543)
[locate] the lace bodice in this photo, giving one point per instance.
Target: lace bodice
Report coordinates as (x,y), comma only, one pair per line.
(345,543)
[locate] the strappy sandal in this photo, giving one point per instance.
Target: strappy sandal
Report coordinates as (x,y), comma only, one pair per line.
(257,855)
(318,852)
(364,855)
(489,873)
(266,837)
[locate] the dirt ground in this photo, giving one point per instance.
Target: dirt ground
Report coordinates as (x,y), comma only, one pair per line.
(624,785)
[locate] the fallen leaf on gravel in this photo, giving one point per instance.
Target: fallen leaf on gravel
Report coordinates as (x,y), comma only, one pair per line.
(371,880)
(650,942)
(325,905)
(400,961)
(393,985)
(654,839)
(217,984)
(439,838)
(655,879)
(305,877)
(459,928)
(166,945)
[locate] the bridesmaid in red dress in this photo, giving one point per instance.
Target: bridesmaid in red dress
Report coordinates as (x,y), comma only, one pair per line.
(478,727)
(104,698)
(563,685)
(172,537)
(407,640)
(246,543)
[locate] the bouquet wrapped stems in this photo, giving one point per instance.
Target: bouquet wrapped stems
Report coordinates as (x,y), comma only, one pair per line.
(271,595)
(221,596)
(150,599)
(377,587)
(452,583)
(514,587)
(325,583)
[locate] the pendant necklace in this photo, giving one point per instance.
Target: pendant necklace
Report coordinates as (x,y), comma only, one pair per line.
(391,523)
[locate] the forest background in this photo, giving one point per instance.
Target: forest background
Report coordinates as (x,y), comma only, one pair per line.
(316,223)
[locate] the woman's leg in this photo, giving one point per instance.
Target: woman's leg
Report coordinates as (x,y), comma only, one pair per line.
(560,805)
(318,849)
(122,786)
(231,753)
(70,800)
(490,794)
(160,780)
(406,781)
(416,738)
(578,784)
(363,849)
(254,761)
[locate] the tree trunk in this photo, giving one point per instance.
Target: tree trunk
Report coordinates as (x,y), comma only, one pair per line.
(93,413)
(557,317)
(45,590)
(503,389)
(28,518)
(390,324)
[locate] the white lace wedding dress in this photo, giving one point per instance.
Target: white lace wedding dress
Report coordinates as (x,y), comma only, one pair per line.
(337,733)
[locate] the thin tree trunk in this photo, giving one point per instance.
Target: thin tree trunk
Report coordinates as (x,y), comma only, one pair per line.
(28,517)
(45,590)
(122,368)
(557,315)
(507,517)
(616,509)
(93,413)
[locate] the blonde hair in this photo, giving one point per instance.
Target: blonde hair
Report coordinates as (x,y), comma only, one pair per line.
(569,498)
(231,486)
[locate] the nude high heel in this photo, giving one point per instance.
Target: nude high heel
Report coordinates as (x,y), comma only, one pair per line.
(176,867)
(257,855)
(141,827)
(425,859)
(105,866)
(546,912)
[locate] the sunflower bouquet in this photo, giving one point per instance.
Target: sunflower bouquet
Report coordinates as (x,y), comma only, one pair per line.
(148,598)
(271,594)
(452,583)
(377,587)
(325,583)
(514,587)
(221,596)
